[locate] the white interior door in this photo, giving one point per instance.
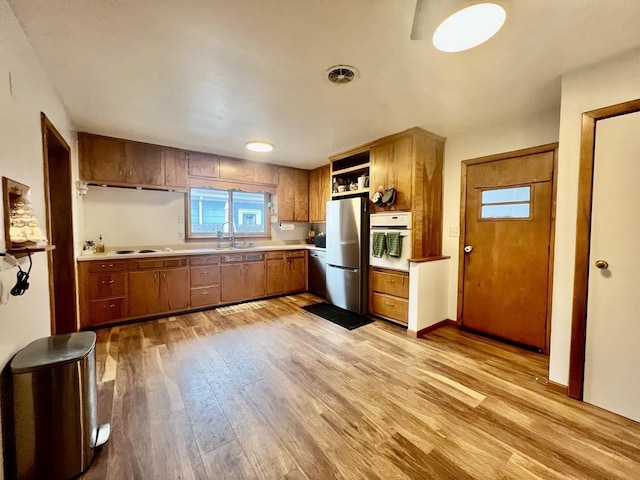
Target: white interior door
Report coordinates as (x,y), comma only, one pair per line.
(612,361)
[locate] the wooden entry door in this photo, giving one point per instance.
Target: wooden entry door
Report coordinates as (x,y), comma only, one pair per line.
(612,362)
(505,245)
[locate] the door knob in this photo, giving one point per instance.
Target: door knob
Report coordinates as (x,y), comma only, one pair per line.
(468,249)
(602,264)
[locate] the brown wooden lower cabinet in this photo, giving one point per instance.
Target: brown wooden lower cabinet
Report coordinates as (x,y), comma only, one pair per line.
(286,272)
(113,291)
(103,292)
(389,294)
(158,291)
(205,280)
(242,277)
(295,273)
(275,272)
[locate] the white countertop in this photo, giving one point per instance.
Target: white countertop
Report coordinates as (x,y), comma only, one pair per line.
(193,251)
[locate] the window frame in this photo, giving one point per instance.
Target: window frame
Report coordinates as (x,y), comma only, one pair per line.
(206,236)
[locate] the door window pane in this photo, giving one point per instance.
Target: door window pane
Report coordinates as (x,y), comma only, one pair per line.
(509,210)
(505,203)
(507,195)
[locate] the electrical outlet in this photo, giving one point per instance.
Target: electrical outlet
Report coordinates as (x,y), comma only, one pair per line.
(454,231)
(180,219)
(180,235)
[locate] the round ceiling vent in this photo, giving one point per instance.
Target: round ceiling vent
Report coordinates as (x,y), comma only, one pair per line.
(341,74)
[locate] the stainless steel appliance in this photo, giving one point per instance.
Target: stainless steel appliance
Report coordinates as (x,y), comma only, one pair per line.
(318,272)
(347,253)
(388,222)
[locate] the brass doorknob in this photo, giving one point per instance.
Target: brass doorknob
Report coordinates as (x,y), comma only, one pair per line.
(602,264)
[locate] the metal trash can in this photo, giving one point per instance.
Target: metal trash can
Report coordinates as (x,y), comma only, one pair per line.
(54,406)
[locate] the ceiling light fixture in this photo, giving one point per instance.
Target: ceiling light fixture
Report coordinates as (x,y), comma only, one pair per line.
(469,27)
(259,146)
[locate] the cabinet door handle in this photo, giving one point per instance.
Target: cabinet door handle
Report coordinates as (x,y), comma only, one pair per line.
(105,282)
(104,265)
(205,292)
(389,304)
(111,305)
(390,281)
(155,277)
(204,273)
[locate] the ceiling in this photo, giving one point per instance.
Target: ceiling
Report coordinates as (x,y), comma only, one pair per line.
(210,75)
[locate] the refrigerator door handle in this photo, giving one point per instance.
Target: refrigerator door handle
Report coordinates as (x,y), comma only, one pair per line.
(344,269)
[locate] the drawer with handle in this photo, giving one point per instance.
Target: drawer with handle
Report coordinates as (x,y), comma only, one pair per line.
(100,267)
(391,283)
(108,285)
(207,275)
(203,296)
(103,311)
(390,307)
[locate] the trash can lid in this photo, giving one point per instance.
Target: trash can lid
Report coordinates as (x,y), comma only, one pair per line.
(53,351)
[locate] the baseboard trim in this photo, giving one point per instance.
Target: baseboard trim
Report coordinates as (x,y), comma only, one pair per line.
(557,387)
(435,326)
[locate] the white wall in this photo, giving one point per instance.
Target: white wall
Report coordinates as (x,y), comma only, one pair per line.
(614,81)
(128,217)
(25,318)
(527,132)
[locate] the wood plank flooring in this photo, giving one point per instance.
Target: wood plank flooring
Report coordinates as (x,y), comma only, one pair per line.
(277,393)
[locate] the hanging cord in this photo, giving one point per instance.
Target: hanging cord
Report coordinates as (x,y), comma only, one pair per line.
(22,283)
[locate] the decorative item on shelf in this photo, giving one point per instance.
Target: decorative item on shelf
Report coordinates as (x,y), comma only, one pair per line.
(341,188)
(24,228)
(353,186)
(88,247)
(363,181)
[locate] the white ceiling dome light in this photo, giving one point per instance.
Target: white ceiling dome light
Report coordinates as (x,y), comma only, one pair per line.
(259,146)
(469,27)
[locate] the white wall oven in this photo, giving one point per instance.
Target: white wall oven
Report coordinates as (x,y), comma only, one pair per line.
(396,224)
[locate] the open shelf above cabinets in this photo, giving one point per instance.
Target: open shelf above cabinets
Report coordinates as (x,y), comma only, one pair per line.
(350,174)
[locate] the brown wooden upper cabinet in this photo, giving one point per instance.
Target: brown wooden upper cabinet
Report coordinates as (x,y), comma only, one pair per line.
(293,195)
(175,168)
(319,193)
(391,166)
(247,171)
(113,161)
(203,165)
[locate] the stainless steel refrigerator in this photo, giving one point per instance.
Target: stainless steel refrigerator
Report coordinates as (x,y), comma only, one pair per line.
(348,253)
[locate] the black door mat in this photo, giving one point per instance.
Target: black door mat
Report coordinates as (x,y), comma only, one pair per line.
(337,315)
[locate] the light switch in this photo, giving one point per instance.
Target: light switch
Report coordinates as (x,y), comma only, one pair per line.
(454,231)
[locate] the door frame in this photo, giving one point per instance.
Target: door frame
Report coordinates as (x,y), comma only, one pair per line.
(50,135)
(549,147)
(583,239)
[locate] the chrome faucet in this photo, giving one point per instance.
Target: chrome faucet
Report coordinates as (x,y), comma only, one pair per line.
(232,233)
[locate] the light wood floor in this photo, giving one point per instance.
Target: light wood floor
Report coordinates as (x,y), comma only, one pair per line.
(277,393)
